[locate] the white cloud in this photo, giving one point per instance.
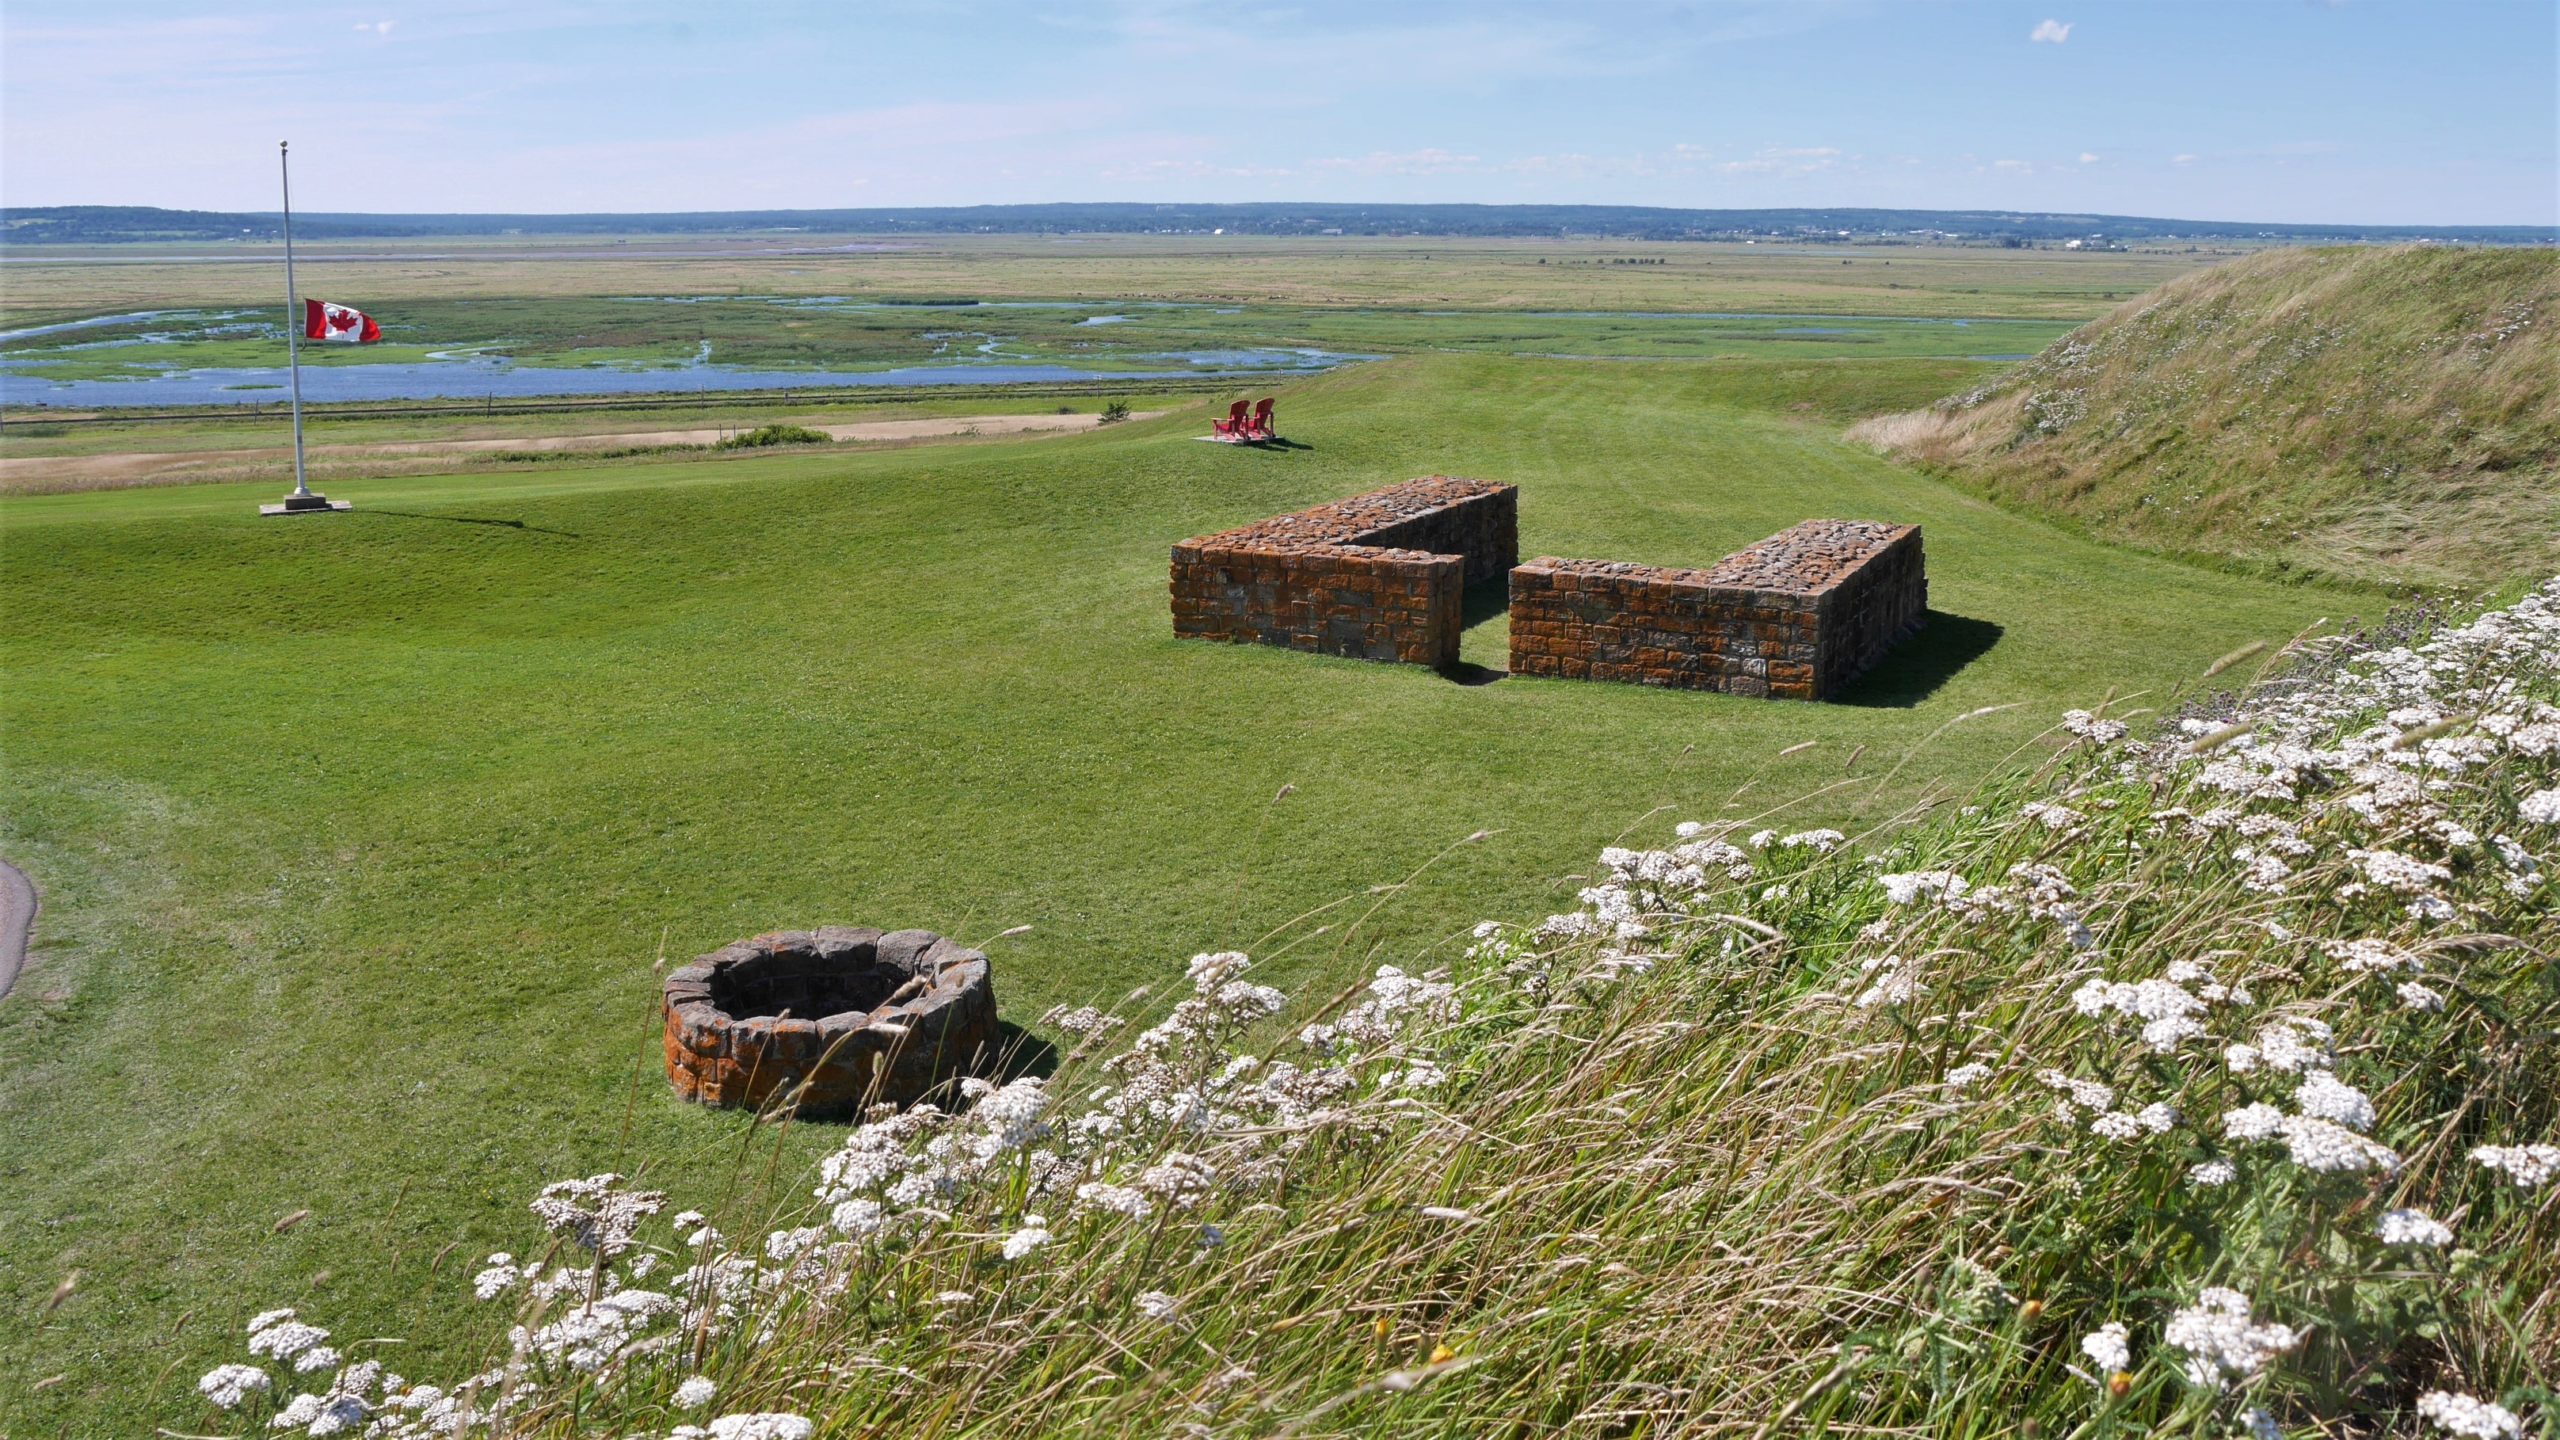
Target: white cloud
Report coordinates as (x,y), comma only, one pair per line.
(2182,159)
(378,27)
(1788,162)
(1574,165)
(1428,161)
(2051,32)
(2088,158)
(2014,167)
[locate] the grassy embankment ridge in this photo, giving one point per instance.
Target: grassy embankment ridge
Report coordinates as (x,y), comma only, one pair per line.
(2380,416)
(359,837)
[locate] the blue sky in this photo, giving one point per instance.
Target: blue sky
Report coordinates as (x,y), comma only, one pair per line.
(2278,110)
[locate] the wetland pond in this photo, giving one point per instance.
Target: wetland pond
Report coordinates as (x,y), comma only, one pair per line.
(227,357)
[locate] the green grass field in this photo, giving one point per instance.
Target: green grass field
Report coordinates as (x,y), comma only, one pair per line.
(359,835)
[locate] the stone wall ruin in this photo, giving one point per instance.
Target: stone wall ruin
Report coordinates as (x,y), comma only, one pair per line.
(1381,576)
(1797,616)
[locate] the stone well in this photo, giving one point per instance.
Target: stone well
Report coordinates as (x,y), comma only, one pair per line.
(861,1015)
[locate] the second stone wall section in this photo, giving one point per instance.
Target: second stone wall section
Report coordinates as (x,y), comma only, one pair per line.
(1796,617)
(1643,625)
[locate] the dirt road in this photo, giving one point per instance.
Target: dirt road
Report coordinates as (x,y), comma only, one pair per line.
(83,472)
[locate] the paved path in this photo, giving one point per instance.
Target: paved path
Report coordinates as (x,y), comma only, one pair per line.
(17,921)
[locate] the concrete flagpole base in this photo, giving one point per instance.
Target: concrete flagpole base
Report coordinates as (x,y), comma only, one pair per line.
(306,505)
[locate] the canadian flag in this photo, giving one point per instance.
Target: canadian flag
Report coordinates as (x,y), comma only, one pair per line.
(324,321)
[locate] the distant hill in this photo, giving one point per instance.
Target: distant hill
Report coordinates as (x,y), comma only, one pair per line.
(110,224)
(2385,415)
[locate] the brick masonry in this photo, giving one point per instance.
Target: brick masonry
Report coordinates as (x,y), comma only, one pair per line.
(859,1014)
(1797,616)
(1381,576)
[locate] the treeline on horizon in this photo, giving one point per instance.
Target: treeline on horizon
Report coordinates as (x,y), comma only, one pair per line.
(118,224)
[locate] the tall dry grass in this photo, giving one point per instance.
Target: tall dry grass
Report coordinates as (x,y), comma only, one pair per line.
(2387,416)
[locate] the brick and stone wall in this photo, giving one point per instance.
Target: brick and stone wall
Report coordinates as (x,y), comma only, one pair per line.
(1381,576)
(1797,616)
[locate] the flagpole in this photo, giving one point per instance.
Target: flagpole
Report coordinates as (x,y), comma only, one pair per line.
(301,501)
(292,321)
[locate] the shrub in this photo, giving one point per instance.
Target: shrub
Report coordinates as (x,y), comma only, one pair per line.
(1115,412)
(765,435)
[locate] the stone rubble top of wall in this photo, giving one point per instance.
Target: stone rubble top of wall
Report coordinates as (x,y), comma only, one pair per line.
(1348,522)
(1803,561)
(1807,558)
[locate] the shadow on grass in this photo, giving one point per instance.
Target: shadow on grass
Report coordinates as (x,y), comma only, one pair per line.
(1920,665)
(470,520)
(1483,600)
(1020,1053)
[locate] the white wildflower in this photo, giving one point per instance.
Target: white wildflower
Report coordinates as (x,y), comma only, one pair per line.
(2222,1341)
(285,1339)
(2258,1121)
(1905,888)
(2542,807)
(2092,729)
(2324,1095)
(2108,1347)
(2528,1166)
(2211,1174)
(1031,1235)
(2333,1149)
(227,1385)
(2413,1227)
(1118,1199)
(762,1425)
(501,1273)
(1157,1305)
(695,1393)
(596,1212)
(2394,871)
(2088,1094)
(2458,1414)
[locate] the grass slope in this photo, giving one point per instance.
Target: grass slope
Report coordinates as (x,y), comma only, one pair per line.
(359,835)
(2385,416)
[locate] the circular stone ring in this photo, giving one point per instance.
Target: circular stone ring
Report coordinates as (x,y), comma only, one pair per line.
(837,1019)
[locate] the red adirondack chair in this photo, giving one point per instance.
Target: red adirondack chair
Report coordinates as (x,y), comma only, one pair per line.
(1259,427)
(1232,429)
